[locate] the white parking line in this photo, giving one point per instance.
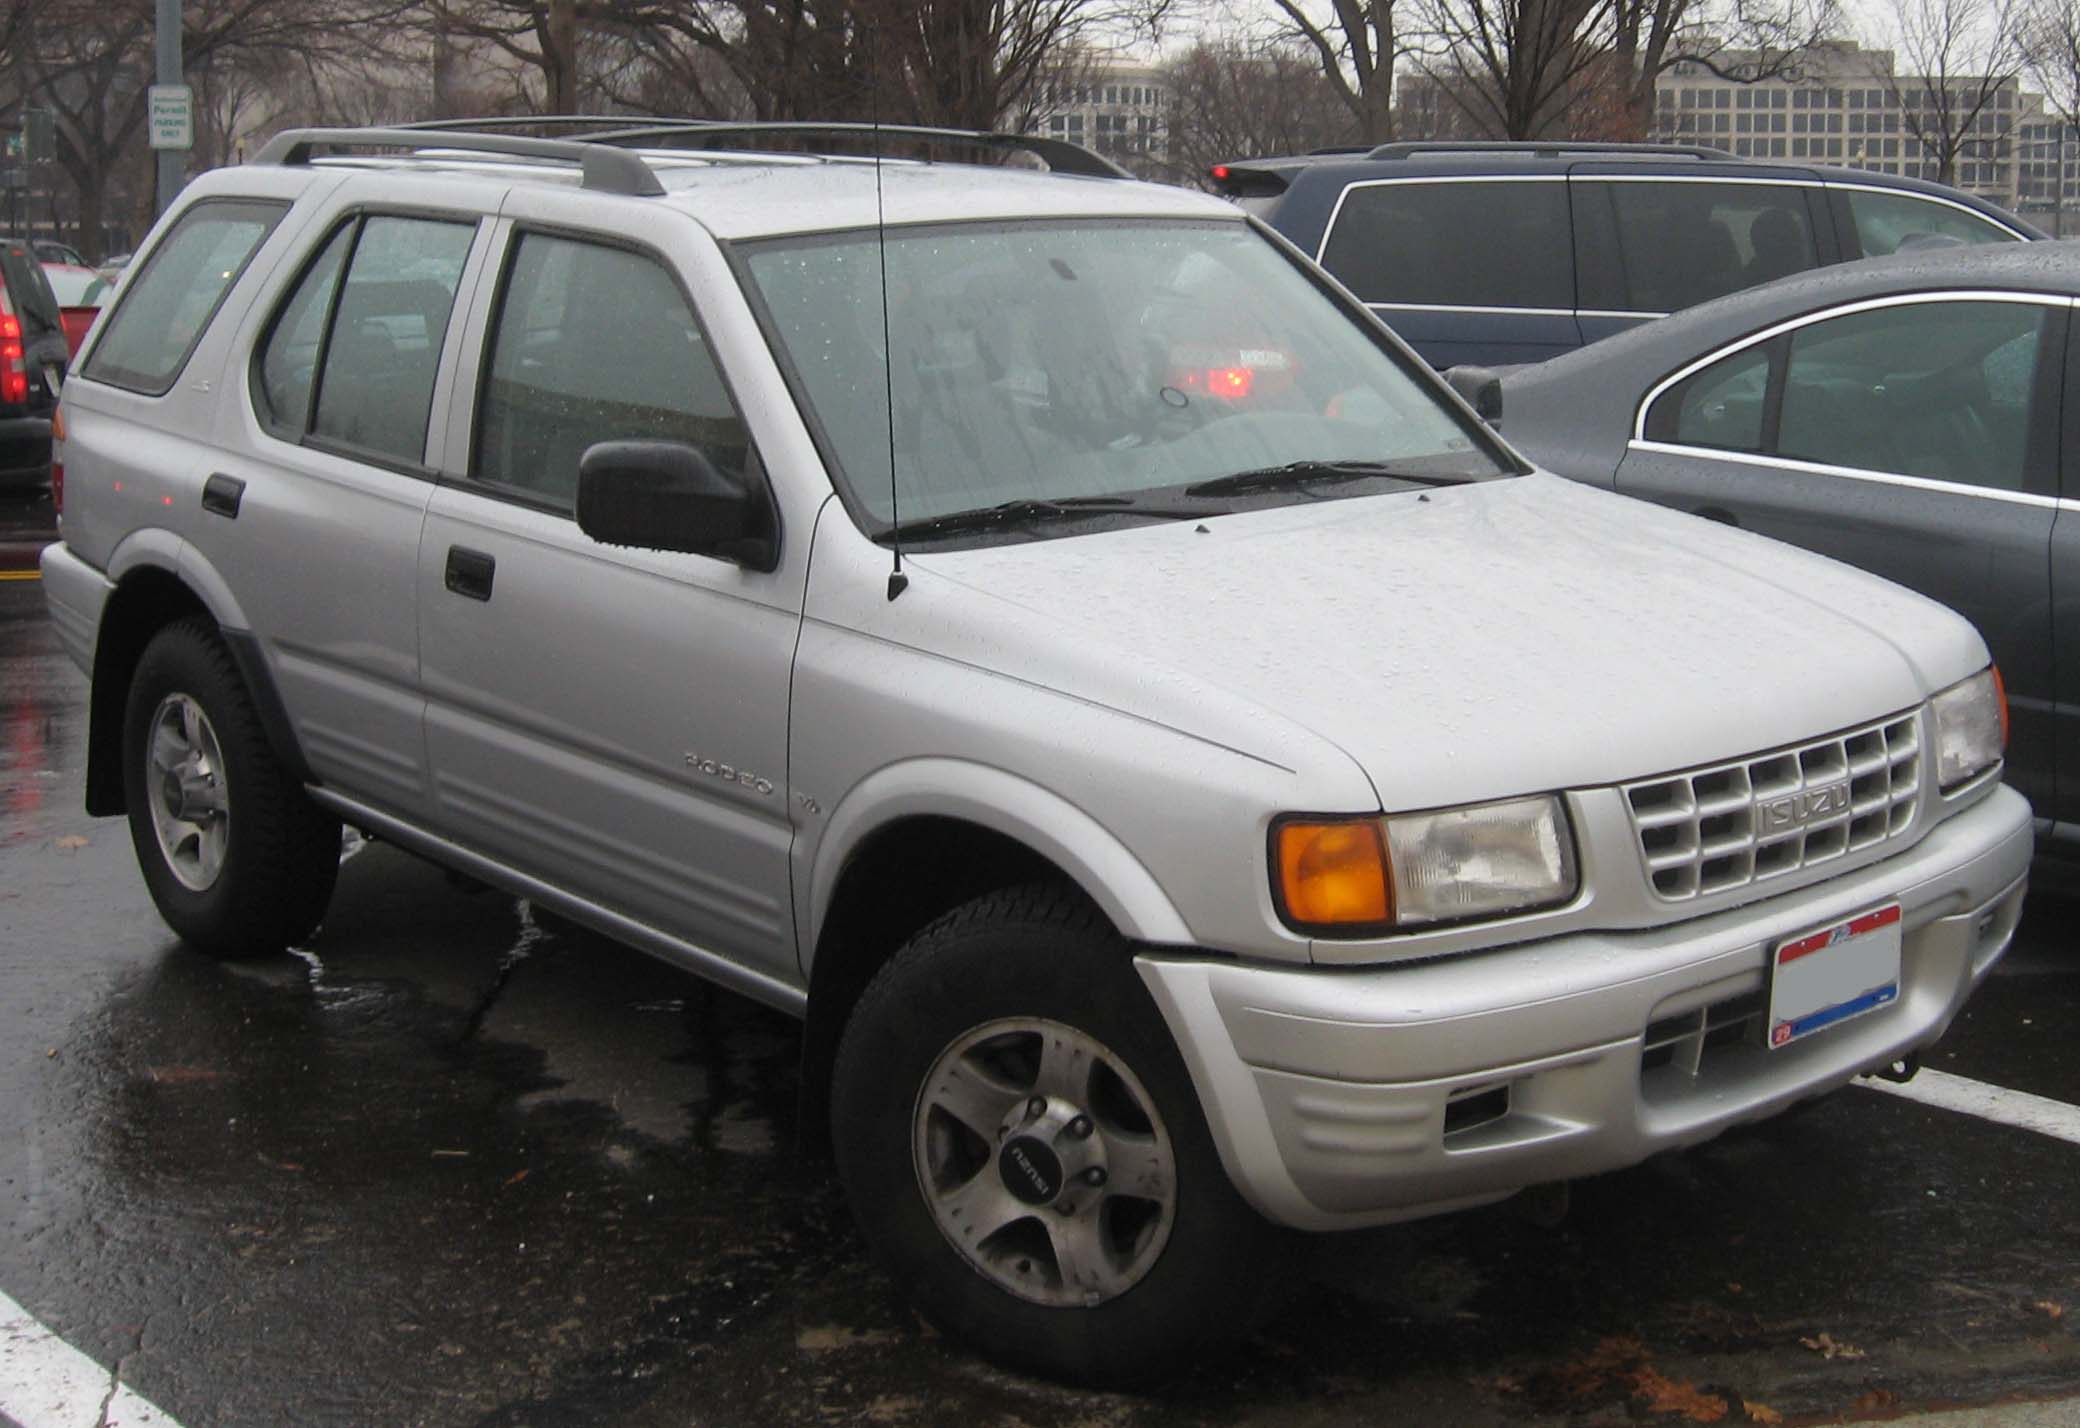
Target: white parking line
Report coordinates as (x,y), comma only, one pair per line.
(47,1383)
(1992,1103)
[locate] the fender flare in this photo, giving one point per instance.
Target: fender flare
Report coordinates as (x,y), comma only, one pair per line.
(1074,841)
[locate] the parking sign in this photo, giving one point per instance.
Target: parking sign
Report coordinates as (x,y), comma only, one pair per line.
(173,116)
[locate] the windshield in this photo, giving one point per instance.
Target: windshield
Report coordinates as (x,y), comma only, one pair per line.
(1054,361)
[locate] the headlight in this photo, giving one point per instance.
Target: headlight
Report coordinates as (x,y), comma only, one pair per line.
(1971,727)
(1349,876)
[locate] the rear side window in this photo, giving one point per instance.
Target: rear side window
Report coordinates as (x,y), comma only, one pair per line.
(1721,407)
(167,305)
(383,345)
(1683,243)
(594,343)
(1480,243)
(1887,222)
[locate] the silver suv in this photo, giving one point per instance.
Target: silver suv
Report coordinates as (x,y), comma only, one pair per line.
(1191,777)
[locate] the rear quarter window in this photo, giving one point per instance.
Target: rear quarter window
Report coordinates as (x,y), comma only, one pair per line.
(28,289)
(1887,222)
(1472,243)
(167,306)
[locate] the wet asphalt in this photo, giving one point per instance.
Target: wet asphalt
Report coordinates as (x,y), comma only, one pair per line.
(454,1164)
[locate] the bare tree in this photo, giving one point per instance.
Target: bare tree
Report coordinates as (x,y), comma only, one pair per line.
(1235,99)
(1516,69)
(1955,58)
(1357,48)
(91,62)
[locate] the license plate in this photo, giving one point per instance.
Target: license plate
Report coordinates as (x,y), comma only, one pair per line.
(1823,978)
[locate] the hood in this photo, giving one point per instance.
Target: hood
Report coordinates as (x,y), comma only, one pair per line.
(1482,641)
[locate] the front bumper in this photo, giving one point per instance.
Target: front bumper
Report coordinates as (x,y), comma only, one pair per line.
(1348,1098)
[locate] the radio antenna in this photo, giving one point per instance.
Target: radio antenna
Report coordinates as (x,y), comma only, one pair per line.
(898,582)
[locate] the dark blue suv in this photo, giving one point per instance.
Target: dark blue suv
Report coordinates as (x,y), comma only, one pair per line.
(1497,253)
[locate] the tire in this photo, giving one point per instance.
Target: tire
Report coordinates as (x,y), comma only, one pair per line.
(1023,1009)
(238,859)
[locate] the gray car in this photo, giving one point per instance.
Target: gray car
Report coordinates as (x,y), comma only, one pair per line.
(1910,415)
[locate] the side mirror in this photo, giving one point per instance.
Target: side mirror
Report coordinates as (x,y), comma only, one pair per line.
(666,495)
(1481,389)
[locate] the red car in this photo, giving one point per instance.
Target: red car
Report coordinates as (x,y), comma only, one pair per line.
(81,292)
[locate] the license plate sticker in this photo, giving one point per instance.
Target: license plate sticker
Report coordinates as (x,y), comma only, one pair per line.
(1824,978)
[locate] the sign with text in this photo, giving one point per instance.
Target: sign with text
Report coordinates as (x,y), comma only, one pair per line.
(173,116)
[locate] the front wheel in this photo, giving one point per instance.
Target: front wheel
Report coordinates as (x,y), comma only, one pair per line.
(1023,1147)
(238,859)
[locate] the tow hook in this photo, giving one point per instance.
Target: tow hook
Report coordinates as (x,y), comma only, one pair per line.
(1900,1071)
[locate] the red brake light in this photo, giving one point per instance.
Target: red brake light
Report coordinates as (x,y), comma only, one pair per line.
(1231,383)
(14,362)
(1220,173)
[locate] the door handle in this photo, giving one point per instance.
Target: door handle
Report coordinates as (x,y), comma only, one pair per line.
(221,495)
(470,572)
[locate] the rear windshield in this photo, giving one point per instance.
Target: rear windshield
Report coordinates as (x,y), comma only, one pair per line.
(28,291)
(1060,360)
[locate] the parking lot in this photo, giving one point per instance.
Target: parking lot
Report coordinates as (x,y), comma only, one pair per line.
(454,1164)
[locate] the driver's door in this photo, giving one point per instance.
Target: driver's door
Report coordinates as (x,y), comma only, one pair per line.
(610,720)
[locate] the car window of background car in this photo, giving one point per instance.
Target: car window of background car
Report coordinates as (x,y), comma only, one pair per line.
(1939,390)
(1886,220)
(593,343)
(166,306)
(29,290)
(1461,243)
(384,349)
(1681,243)
(75,287)
(1721,407)
(288,359)
(1053,360)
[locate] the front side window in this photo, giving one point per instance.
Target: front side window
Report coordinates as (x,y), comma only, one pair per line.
(593,343)
(1089,362)
(1888,222)
(1461,244)
(166,305)
(1683,243)
(383,345)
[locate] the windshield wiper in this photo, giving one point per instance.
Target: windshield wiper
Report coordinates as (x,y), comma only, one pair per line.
(1028,511)
(1305,473)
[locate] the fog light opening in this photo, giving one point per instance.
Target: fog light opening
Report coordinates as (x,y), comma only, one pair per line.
(1474,1107)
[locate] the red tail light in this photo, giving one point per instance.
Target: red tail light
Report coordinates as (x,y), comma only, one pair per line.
(14,362)
(1232,383)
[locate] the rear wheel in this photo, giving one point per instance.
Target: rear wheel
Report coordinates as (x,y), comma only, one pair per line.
(238,859)
(1022,1145)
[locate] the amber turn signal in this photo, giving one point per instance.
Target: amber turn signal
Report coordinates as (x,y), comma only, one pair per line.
(1334,873)
(2000,692)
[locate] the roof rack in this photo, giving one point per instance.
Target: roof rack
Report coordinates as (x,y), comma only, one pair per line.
(542,121)
(1542,148)
(603,167)
(1060,155)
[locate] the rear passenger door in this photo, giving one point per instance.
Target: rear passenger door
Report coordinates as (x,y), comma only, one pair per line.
(313,507)
(612,721)
(1465,269)
(1655,244)
(1914,437)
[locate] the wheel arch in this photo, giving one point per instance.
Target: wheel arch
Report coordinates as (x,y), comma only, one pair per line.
(160,579)
(976,830)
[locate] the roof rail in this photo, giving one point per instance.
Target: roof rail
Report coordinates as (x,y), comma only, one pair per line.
(1060,155)
(1542,148)
(541,121)
(603,167)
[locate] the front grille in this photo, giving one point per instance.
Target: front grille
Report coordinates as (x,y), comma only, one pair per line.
(1683,1042)
(1713,829)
